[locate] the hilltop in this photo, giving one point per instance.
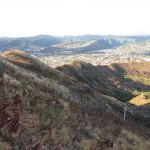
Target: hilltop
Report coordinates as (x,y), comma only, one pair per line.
(82,104)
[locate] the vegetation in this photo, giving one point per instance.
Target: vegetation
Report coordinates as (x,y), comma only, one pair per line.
(147,95)
(43,108)
(123,95)
(141,79)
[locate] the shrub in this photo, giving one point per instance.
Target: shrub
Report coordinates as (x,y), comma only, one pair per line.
(147,95)
(123,95)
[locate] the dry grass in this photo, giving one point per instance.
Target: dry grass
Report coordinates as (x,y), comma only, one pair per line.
(137,69)
(131,141)
(4,145)
(86,123)
(139,100)
(13,52)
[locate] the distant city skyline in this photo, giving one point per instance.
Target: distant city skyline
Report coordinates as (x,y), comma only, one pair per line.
(20,18)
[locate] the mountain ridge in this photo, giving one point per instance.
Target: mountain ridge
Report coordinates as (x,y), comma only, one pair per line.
(45,41)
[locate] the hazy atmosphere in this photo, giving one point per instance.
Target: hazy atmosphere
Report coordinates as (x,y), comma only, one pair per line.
(74,17)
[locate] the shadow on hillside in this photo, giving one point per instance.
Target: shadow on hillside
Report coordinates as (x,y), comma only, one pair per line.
(120,86)
(106,80)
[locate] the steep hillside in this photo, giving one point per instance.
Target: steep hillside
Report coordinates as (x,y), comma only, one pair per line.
(68,108)
(18,64)
(111,79)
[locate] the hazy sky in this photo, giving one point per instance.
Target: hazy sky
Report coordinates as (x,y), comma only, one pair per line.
(74,17)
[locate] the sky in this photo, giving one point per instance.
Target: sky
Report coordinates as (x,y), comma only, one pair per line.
(20,18)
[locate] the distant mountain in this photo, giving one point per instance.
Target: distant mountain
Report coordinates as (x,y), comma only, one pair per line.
(121,39)
(28,42)
(81,47)
(52,45)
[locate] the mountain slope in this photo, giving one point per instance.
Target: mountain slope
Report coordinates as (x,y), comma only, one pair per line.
(20,64)
(79,115)
(110,79)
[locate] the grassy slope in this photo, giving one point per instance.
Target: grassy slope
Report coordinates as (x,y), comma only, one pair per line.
(80,116)
(110,79)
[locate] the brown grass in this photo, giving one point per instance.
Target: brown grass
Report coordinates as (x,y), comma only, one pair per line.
(80,119)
